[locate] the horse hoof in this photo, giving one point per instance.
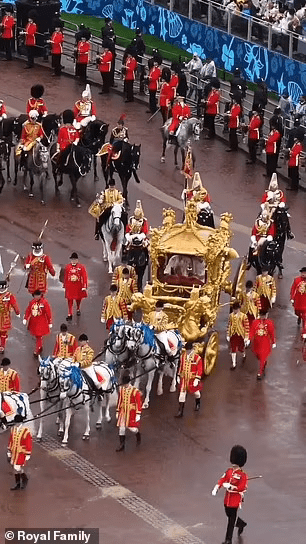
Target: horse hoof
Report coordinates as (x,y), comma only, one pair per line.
(30,195)
(172,389)
(98,425)
(145,405)
(162,160)
(42,202)
(105,259)
(280,276)
(160,392)
(72,199)
(38,439)
(96,179)
(108,419)
(60,433)
(177,167)
(85,437)
(78,206)
(9,180)
(64,444)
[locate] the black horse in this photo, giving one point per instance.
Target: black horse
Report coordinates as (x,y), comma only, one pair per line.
(4,154)
(93,138)
(74,161)
(125,165)
(283,232)
(10,135)
(137,256)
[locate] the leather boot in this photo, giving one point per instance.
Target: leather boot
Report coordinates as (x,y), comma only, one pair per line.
(240,524)
(180,410)
(122,443)
(138,438)
(197,405)
(24,481)
(17,480)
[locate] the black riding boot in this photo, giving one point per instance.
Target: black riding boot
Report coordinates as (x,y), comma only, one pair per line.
(17,485)
(197,405)
(181,409)
(138,438)
(24,481)
(122,443)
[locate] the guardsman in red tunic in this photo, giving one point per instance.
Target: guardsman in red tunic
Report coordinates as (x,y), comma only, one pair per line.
(7,25)
(75,284)
(189,377)
(233,122)
(83,55)
(174,81)
(38,319)
(180,111)
(165,94)
(266,289)
(238,332)
(154,77)
(19,451)
(130,68)
(274,137)
(84,110)
(262,336)
(57,40)
(235,481)
(67,135)
(65,344)
(298,297)
(293,164)
(128,412)
(250,302)
(9,378)
(36,102)
(8,303)
(30,32)
(38,264)
(212,108)
(255,125)
(113,308)
(104,64)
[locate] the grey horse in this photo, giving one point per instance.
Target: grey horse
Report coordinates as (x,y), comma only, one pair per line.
(188,128)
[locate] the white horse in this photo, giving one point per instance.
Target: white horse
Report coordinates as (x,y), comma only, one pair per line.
(12,404)
(112,237)
(76,392)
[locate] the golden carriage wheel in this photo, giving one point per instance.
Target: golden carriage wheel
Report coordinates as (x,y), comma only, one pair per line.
(211,353)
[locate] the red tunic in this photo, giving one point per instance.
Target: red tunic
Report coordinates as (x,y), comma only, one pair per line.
(67,134)
(280,199)
(128,406)
(235,114)
(8,303)
(144,227)
(154,76)
(8,23)
(2,109)
(191,368)
(294,155)
(212,104)
(238,478)
(165,95)
(30,36)
(84,109)
(257,231)
(174,81)
(57,40)
(179,112)
(37,104)
(105,62)
(83,52)
(9,381)
(39,317)
(130,69)
(20,445)
(39,267)
(271,143)
(298,295)
(65,348)
(262,335)
(75,280)
(254,126)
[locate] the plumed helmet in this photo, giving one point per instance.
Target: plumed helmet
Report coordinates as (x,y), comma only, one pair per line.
(197,182)
(138,212)
(166,74)
(122,119)
(273,185)
(37,91)
(33,114)
(87,92)
(238,456)
(68,117)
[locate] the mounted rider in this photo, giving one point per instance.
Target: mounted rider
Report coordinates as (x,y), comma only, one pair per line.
(197,192)
(158,320)
(9,378)
(264,229)
(67,135)
(103,202)
(84,110)
(83,356)
(32,132)
(137,229)
(36,102)
(119,134)
(180,112)
(273,196)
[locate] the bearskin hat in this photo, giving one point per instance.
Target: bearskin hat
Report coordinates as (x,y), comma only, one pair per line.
(175,67)
(37,91)
(68,117)
(32,15)
(166,74)
(238,456)
(85,34)
(8,8)
(57,23)
(215,83)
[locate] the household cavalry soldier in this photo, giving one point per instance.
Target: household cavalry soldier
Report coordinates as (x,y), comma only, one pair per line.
(114,307)
(36,102)
(264,229)
(128,412)
(197,191)
(273,196)
(266,289)
(137,229)
(67,135)
(238,332)
(250,302)
(189,377)
(65,344)
(84,109)
(298,297)
(8,303)
(84,355)
(118,135)
(32,132)
(38,264)
(180,112)
(9,378)
(19,451)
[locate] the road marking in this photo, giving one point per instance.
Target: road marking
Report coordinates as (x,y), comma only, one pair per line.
(112,489)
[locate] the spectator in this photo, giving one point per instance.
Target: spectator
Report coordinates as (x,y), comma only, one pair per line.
(300,109)
(238,84)
(194,66)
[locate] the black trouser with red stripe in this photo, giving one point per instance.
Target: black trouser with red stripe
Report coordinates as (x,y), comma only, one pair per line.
(56,63)
(252,149)
(8,48)
(233,139)
(271,162)
(232,516)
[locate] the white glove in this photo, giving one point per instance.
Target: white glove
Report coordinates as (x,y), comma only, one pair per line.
(9,454)
(137,418)
(227,485)
(272,300)
(273,346)
(84,288)
(38,139)
(281,205)
(18,315)
(50,326)
(247,343)
(196,382)
(269,238)
(27,457)
(215,490)
(227,338)
(24,321)
(304,335)
(93,118)
(75,142)
(27,266)
(102,320)
(253,238)
(292,301)
(117,415)
(178,379)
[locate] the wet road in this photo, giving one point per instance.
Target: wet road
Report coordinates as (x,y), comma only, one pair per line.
(161,492)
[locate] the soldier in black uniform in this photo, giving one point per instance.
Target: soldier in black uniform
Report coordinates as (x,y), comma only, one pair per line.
(237,82)
(296,132)
(107,31)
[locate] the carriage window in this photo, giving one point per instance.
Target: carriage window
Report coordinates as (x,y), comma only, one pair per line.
(183,270)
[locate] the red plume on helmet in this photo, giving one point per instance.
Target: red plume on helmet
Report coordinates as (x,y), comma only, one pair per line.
(122,119)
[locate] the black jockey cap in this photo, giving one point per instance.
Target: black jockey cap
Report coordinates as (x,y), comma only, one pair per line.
(83,338)
(37,293)
(236,305)
(126,378)
(63,327)
(238,456)
(5,361)
(159,304)
(111,183)
(37,245)
(188,345)
(249,284)
(37,91)
(68,117)
(74,255)
(166,74)
(303,269)
(113,288)
(3,283)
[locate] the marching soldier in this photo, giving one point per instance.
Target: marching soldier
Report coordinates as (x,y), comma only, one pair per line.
(57,40)
(235,482)
(30,32)
(104,64)
(255,125)
(75,284)
(65,344)
(38,319)
(212,108)
(180,111)
(129,69)
(250,302)
(153,85)
(82,55)
(36,102)
(9,378)
(19,451)
(158,320)
(84,109)
(38,264)
(238,332)
(7,27)
(165,94)
(262,336)
(126,288)
(114,307)
(128,412)
(137,227)
(298,297)
(189,377)
(84,355)
(8,303)
(266,289)
(32,132)
(293,163)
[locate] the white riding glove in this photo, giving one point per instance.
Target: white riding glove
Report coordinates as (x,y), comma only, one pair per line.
(178,379)
(137,418)
(227,338)
(24,321)
(273,346)
(215,490)
(247,343)
(196,382)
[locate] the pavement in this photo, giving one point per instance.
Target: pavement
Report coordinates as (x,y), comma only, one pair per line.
(160,492)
